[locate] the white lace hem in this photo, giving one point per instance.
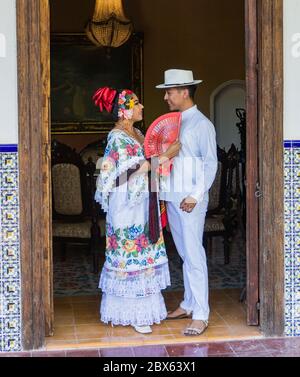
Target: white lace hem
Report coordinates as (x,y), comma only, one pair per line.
(143,311)
(135,284)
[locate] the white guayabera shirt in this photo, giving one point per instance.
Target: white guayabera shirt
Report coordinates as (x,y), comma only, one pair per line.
(195,167)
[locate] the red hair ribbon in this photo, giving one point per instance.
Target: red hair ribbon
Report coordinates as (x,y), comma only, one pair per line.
(104,98)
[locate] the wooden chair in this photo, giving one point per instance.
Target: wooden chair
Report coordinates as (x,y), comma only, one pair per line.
(215,218)
(224,215)
(234,191)
(74,219)
(241,125)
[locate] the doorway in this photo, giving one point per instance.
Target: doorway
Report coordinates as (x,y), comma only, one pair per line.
(262,18)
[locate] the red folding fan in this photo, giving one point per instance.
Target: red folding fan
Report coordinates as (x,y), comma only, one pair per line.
(163,132)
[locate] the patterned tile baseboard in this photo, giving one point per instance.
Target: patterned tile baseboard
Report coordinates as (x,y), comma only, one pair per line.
(292,237)
(10,279)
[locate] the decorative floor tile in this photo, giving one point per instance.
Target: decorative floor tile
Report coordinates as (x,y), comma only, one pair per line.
(9,161)
(292,237)
(297,260)
(296,242)
(10,270)
(10,307)
(10,279)
(10,216)
(11,343)
(296,224)
(296,208)
(288,209)
(288,173)
(297,156)
(9,198)
(11,288)
(288,158)
(9,180)
(10,253)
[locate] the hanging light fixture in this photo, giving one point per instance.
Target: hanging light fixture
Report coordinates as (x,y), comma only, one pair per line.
(109,27)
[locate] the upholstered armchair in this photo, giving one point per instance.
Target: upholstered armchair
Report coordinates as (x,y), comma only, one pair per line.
(74,217)
(93,151)
(90,155)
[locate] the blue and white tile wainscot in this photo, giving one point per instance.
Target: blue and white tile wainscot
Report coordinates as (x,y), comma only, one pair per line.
(292,237)
(10,278)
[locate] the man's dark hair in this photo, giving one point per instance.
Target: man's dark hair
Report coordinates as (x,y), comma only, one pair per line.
(192,90)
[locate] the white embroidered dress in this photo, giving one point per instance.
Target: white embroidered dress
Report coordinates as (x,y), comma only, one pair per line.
(135,271)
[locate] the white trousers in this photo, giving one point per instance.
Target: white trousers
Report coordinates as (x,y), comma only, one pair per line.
(187,231)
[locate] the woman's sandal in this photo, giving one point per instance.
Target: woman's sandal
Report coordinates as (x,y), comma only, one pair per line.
(143,329)
(194,331)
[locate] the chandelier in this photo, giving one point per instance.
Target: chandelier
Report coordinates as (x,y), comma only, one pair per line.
(109,27)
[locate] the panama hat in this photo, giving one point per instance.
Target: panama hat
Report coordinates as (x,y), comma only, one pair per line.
(178,77)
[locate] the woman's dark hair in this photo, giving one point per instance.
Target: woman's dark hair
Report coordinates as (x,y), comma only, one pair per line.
(115,109)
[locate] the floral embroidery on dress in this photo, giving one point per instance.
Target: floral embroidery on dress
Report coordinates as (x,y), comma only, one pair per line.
(131,246)
(137,188)
(122,153)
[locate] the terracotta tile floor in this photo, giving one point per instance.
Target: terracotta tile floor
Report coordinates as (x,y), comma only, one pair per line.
(77,324)
(78,333)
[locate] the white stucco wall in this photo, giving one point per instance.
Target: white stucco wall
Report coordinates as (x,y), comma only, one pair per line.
(292,69)
(8,73)
(223,104)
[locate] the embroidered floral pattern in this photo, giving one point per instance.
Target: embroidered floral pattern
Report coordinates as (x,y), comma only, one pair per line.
(137,188)
(121,153)
(131,246)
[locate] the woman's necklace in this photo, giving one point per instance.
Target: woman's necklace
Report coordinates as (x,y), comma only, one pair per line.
(132,133)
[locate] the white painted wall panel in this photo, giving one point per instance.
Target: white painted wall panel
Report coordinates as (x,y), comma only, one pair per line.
(292,69)
(8,73)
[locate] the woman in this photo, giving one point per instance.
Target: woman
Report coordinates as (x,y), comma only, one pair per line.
(136,266)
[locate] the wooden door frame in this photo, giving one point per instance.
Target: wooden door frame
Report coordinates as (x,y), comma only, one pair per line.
(33,33)
(33,46)
(265,173)
(271,166)
(252,234)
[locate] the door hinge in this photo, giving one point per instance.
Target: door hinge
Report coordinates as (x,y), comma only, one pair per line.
(258,305)
(258,193)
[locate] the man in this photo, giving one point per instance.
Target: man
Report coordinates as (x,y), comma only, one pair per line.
(187,202)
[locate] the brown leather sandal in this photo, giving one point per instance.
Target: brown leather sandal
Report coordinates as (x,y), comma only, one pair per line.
(180,316)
